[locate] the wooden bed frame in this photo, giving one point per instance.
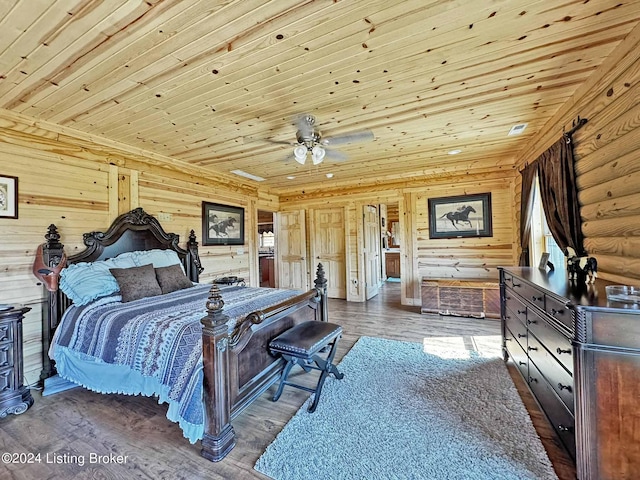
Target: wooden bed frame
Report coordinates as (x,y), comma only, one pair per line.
(238,366)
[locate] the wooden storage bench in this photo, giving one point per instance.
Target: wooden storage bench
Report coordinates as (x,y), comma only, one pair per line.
(464,298)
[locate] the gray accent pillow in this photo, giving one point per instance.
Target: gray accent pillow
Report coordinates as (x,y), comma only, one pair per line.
(136,282)
(172,278)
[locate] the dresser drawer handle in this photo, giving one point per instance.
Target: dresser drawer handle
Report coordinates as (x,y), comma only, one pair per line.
(522,363)
(532,379)
(536,299)
(522,335)
(556,312)
(563,428)
(531,321)
(561,351)
(515,285)
(565,387)
(507,339)
(532,348)
(520,312)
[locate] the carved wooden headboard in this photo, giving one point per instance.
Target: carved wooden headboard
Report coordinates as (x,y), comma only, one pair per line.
(130,232)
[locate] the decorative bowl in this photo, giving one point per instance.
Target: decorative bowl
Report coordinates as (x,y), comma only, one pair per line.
(623,293)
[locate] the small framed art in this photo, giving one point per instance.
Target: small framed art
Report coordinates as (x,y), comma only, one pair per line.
(8,196)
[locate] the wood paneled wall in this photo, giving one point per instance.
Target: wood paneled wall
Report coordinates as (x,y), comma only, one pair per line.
(420,256)
(607,151)
(82,187)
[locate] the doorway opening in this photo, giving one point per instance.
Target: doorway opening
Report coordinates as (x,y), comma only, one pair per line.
(391,243)
(266,245)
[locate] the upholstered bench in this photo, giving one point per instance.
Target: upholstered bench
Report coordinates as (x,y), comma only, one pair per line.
(302,345)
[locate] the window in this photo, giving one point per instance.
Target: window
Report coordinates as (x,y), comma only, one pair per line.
(267,239)
(541,238)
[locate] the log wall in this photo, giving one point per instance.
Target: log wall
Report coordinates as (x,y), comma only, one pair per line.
(82,186)
(607,151)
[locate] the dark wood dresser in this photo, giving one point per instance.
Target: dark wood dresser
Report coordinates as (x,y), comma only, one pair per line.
(580,356)
(14,396)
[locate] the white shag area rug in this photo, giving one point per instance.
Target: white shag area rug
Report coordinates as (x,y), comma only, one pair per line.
(445,409)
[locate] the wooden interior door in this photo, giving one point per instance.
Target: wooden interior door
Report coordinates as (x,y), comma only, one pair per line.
(329,248)
(291,252)
(372,267)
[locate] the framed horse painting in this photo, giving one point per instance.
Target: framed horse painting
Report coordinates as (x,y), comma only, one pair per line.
(460,216)
(222,224)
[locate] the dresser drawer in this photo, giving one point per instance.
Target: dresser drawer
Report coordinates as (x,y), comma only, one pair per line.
(517,353)
(517,328)
(559,345)
(560,380)
(558,310)
(529,293)
(559,416)
(516,307)
(6,355)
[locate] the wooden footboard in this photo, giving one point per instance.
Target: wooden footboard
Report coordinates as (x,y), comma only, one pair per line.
(238,366)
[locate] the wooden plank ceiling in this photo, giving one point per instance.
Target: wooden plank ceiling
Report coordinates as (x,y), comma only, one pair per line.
(209,82)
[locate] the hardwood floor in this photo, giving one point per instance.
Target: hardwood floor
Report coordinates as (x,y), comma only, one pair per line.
(75,425)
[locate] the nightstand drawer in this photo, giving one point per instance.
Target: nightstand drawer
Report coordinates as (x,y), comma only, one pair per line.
(6,355)
(7,383)
(6,333)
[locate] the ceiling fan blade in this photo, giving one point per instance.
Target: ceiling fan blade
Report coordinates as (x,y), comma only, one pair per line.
(335,155)
(247,140)
(363,136)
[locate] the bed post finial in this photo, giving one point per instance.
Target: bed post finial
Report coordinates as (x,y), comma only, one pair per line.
(321,286)
(219,437)
(192,247)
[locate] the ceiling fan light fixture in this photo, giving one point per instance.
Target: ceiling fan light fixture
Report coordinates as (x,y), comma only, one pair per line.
(317,154)
(300,154)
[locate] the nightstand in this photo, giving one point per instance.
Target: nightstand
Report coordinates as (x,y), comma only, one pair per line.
(14,396)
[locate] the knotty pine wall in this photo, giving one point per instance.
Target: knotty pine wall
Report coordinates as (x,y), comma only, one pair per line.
(82,187)
(607,151)
(475,258)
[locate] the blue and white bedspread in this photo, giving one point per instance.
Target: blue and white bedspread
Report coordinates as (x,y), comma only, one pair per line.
(151,346)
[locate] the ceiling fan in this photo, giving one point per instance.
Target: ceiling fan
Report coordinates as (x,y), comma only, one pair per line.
(309,140)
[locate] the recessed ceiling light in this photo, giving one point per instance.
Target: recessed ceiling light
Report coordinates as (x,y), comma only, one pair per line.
(329,175)
(454,152)
(290,177)
(517,129)
(242,173)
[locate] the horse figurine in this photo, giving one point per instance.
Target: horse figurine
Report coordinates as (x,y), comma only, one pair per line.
(460,216)
(581,268)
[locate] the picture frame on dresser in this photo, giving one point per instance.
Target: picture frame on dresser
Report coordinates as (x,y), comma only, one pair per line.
(460,216)
(222,224)
(8,196)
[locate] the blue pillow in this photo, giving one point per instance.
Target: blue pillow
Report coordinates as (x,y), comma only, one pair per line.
(158,258)
(84,282)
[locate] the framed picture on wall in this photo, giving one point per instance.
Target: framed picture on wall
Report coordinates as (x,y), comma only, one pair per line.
(8,196)
(460,216)
(222,224)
